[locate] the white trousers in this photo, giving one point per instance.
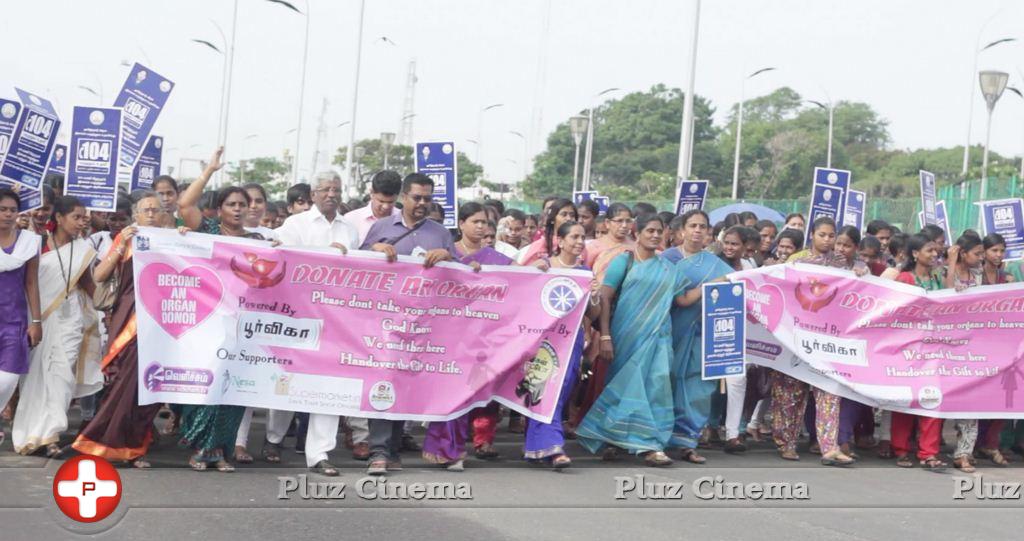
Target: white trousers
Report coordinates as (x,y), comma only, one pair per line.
(321,434)
(736,393)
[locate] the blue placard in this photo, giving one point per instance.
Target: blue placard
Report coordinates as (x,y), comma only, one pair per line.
(95,149)
(32,141)
(691,196)
(603,202)
(855,203)
(928,202)
(59,160)
(9,110)
(723,340)
(1006,217)
(148,167)
(142,97)
(943,221)
(579,197)
(438,161)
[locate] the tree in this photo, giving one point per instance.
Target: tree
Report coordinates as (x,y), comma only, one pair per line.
(271,173)
(401,160)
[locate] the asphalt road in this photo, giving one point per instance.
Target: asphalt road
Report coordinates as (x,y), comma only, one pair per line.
(511,499)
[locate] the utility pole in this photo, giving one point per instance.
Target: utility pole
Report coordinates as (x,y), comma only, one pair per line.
(405,135)
(319,132)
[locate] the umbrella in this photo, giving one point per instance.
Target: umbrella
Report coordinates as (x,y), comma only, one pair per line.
(762,212)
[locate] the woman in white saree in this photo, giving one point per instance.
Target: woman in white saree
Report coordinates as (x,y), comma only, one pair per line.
(61,362)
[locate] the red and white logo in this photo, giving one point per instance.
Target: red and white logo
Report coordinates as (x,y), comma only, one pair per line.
(87,488)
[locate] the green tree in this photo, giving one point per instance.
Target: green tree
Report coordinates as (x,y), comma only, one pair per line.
(271,173)
(400,159)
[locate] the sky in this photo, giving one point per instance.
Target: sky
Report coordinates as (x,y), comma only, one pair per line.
(911,60)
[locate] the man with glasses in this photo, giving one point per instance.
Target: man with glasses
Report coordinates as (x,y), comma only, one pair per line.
(407,233)
(321,225)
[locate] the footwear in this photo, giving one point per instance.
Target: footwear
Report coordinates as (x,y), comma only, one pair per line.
(754,433)
(196,465)
(140,463)
(52,450)
(378,466)
(458,465)
(789,454)
(884,449)
(657,459)
(568,430)
(691,456)
(242,455)
(325,468)
(486,452)
(995,455)
(845,449)
(560,462)
(409,444)
(933,463)
(361,451)
(836,458)
(394,465)
(610,454)
(735,446)
(814,449)
(271,452)
(904,461)
(963,464)
(224,466)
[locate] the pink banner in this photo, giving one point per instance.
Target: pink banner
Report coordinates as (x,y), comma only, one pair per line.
(884,343)
(234,321)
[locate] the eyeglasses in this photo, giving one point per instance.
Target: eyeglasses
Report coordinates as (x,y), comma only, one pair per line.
(421,198)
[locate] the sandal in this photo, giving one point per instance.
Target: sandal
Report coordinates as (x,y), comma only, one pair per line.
(52,450)
(242,455)
(691,456)
(933,463)
(196,465)
(963,464)
(271,452)
(560,462)
(755,434)
(884,449)
(140,463)
(610,454)
(836,458)
(995,455)
(788,454)
(224,466)
(657,459)
(486,452)
(904,461)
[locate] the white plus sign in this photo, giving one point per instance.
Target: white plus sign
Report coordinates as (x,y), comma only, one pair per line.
(87,488)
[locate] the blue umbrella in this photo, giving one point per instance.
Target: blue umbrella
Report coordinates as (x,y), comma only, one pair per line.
(762,212)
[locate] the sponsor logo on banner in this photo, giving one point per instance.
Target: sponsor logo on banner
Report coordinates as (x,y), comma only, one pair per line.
(382,395)
(307,390)
(267,329)
(177,379)
(258,272)
(559,296)
(537,372)
(814,294)
(234,382)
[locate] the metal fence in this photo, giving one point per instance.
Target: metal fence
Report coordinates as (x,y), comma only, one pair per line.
(959,198)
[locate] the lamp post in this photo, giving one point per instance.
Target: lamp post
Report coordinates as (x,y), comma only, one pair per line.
(223,52)
(992,85)
(480,131)
(349,155)
(302,82)
(970,111)
(588,154)
(830,108)
(739,132)
(686,130)
(386,139)
(1019,94)
(577,126)
(523,137)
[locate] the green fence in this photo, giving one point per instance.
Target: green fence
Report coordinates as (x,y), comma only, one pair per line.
(960,204)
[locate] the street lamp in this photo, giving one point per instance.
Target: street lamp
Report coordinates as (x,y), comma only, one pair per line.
(739,132)
(970,111)
(523,137)
(685,162)
(830,109)
(302,84)
(992,85)
(386,139)
(577,126)
(349,154)
(480,131)
(588,155)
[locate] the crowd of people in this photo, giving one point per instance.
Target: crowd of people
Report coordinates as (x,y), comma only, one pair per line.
(633,386)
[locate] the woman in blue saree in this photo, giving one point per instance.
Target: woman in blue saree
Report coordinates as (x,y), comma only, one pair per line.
(634,411)
(691,395)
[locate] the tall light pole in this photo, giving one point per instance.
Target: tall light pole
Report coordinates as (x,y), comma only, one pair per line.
(1019,94)
(970,111)
(523,137)
(350,152)
(992,85)
(739,132)
(588,154)
(386,139)
(686,129)
(830,108)
(223,52)
(302,84)
(480,131)
(577,126)
(230,77)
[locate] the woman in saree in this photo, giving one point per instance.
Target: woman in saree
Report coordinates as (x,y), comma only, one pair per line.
(210,431)
(634,411)
(691,395)
(601,252)
(57,364)
(546,441)
(445,442)
(122,430)
(559,212)
(993,273)
(20,323)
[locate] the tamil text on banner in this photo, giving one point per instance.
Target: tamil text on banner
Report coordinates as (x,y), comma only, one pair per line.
(888,344)
(828,195)
(439,162)
(95,145)
(147,168)
(142,97)
(225,320)
(691,195)
(1006,217)
(723,342)
(32,141)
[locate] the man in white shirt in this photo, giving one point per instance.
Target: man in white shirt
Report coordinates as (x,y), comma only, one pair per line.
(384,189)
(321,225)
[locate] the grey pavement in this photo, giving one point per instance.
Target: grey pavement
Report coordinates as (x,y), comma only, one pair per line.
(512,499)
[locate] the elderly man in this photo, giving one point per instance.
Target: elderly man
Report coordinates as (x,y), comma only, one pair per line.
(321,225)
(408,233)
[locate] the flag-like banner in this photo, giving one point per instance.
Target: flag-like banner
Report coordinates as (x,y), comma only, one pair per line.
(95,146)
(888,344)
(439,162)
(225,320)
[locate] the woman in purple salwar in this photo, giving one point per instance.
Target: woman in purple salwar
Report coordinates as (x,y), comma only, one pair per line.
(545,441)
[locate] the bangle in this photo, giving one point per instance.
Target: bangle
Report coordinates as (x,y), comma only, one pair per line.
(34,321)
(606,338)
